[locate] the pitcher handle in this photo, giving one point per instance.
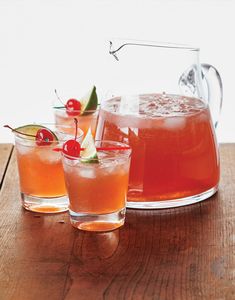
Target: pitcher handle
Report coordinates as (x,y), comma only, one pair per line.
(214,89)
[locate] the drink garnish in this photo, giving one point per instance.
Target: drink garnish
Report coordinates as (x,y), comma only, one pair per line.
(89,154)
(89,102)
(87,150)
(73,106)
(86,105)
(72,147)
(41,134)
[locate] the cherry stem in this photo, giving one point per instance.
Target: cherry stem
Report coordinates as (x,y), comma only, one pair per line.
(76,128)
(58,97)
(14,130)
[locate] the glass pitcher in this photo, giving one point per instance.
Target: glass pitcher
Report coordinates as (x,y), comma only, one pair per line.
(160,100)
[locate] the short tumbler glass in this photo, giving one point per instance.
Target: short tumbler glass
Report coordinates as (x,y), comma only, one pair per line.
(97,190)
(41,173)
(85,121)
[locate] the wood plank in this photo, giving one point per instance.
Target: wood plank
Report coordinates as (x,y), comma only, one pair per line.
(183,253)
(5,153)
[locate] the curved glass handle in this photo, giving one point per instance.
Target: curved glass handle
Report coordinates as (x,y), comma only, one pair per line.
(213,90)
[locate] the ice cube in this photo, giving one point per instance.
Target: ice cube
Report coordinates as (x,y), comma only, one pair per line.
(111,167)
(87,172)
(129,104)
(67,168)
(23,149)
(47,155)
(174,122)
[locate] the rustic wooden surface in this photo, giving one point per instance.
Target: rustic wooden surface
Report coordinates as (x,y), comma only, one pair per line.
(184,253)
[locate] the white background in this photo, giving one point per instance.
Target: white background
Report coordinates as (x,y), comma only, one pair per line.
(51,44)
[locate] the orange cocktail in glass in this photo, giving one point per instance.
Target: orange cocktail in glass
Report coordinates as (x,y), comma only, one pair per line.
(83,109)
(97,191)
(84,120)
(174,152)
(41,173)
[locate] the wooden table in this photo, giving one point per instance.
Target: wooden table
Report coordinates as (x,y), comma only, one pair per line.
(183,253)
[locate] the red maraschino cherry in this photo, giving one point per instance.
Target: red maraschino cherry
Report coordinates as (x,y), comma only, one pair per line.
(73,106)
(43,136)
(72,147)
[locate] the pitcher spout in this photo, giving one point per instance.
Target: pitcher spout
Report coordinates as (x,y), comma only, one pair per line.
(117,44)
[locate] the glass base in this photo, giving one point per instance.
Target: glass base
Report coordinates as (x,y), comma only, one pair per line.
(45,205)
(97,222)
(172,203)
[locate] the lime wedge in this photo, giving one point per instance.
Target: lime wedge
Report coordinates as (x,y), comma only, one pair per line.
(89,102)
(89,154)
(32,129)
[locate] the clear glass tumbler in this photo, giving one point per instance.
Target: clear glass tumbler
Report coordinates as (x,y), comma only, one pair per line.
(97,190)
(41,173)
(85,121)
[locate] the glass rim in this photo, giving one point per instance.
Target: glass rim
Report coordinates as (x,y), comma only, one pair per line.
(22,137)
(90,111)
(121,153)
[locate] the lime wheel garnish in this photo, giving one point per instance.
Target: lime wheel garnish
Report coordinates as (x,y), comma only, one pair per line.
(41,134)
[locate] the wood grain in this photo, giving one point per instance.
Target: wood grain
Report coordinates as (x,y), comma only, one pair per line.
(184,253)
(5,154)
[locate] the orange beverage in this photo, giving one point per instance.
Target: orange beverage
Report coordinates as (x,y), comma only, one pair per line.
(84,121)
(174,152)
(97,191)
(41,173)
